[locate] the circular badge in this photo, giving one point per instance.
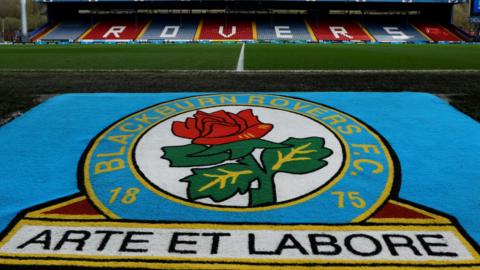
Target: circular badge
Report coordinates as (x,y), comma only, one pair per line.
(238,158)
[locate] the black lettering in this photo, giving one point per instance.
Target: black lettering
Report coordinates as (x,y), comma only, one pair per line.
(295,245)
(348,245)
(80,240)
(330,241)
(406,242)
(46,242)
(428,245)
(251,247)
(106,238)
(129,240)
(175,241)
(215,240)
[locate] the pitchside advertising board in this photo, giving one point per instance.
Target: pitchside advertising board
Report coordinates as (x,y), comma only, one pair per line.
(241,181)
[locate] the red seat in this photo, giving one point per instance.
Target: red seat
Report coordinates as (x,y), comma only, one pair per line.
(339,30)
(233,29)
(116,30)
(435,31)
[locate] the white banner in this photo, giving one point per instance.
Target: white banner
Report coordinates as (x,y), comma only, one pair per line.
(371,243)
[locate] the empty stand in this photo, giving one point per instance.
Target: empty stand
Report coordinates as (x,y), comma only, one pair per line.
(282,29)
(236,28)
(388,30)
(116,30)
(340,29)
(68,30)
(171,28)
(218,28)
(436,32)
(37,34)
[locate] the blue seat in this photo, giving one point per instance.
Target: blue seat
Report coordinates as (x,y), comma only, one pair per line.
(282,28)
(68,30)
(171,28)
(388,30)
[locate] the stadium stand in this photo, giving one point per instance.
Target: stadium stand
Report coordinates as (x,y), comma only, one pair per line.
(436,32)
(43,30)
(171,28)
(115,29)
(283,28)
(67,31)
(406,21)
(233,28)
(340,29)
(393,30)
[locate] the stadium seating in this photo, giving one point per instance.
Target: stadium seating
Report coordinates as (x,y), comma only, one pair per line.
(67,31)
(171,28)
(219,28)
(119,30)
(436,32)
(332,29)
(388,30)
(282,29)
(235,28)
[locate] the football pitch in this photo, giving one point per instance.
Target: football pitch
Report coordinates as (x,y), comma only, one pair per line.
(29,73)
(226,57)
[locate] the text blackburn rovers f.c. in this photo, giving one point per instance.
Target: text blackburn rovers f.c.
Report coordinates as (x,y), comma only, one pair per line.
(234,181)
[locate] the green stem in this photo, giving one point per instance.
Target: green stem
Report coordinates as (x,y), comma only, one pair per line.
(265,193)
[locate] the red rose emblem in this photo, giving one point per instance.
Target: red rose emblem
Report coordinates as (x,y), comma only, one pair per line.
(221,127)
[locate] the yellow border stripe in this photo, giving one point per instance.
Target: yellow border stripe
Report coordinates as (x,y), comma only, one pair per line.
(56,206)
(348,228)
(421,32)
(199,30)
(254,30)
(40,36)
(367,213)
(435,219)
(450,32)
(41,213)
(359,218)
(88,31)
(421,211)
(366,31)
(145,28)
(310,30)
(215,266)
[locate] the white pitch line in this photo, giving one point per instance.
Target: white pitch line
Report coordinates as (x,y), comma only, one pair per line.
(240,61)
(318,71)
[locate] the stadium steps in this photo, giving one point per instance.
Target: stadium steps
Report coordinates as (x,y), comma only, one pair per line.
(171,28)
(283,29)
(219,29)
(339,29)
(67,31)
(435,32)
(235,28)
(116,30)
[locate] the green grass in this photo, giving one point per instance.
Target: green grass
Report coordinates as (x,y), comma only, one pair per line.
(128,56)
(364,56)
(224,57)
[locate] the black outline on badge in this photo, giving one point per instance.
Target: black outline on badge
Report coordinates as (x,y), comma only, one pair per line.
(239,207)
(219,208)
(20,216)
(394,194)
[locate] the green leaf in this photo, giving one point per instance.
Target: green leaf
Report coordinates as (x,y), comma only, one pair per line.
(221,182)
(182,156)
(305,155)
(239,149)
